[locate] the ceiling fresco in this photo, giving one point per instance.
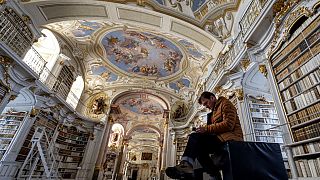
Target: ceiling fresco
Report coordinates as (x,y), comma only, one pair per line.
(142,53)
(144,130)
(193,50)
(197,4)
(141,104)
(103,72)
(180,84)
(86,28)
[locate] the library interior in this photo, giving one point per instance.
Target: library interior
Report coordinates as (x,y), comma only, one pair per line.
(81,99)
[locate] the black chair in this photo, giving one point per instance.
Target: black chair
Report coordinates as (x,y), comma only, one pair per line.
(251,161)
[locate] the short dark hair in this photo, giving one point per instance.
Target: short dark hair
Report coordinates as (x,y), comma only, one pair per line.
(206,95)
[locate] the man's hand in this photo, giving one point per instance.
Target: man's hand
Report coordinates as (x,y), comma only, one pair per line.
(201,129)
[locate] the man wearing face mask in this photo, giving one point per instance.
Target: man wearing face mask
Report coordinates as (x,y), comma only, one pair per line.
(222,125)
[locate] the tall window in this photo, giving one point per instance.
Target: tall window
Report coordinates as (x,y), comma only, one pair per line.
(75,92)
(43,53)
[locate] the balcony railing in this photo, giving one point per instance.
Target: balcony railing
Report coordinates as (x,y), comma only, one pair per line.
(226,59)
(14,32)
(34,60)
(251,14)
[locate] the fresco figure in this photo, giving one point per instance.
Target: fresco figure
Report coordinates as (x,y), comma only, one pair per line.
(142,53)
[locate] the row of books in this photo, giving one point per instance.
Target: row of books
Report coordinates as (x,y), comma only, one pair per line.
(306,132)
(310,66)
(307,28)
(69,147)
(303,100)
(269,139)
(8,131)
(307,55)
(70,141)
(306,148)
(267,133)
(76,137)
(308,168)
(290,62)
(290,57)
(310,113)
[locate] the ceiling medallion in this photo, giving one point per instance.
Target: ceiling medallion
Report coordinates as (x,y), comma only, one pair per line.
(142,53)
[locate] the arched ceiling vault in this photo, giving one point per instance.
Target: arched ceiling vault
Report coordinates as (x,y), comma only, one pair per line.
(145,61)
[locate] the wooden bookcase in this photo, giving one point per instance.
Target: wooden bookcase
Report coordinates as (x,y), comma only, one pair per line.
(71,144)
(297,74)
(10,123)
(46,120)
(181,146)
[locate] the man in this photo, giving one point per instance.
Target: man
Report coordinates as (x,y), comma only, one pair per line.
(223,125)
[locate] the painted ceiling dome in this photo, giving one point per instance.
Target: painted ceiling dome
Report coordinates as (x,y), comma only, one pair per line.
(141,104)
(142,53)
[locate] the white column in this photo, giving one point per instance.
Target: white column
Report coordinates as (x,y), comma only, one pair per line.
(104,147)
(292,165)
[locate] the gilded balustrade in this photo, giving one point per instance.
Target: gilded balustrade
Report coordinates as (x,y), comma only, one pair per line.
(251,14)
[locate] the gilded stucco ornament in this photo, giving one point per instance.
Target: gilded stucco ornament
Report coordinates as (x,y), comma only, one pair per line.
(12,97)
(2,2)
(263,69)
(26,19)
(245,63)
(6,63)
(97,106)
(217,89)
(239,94)
(281,9)
(294,17)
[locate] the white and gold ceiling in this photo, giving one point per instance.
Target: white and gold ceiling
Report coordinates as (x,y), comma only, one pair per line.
(146,57)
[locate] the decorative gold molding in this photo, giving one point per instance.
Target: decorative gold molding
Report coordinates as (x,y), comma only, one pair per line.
(34,112)
(292,18)
(6,63)
(245,63)
(263,69)
(2,2)
(12,97)
(141,3)
(26,19)
(239,94)
(217,89)
(110,119)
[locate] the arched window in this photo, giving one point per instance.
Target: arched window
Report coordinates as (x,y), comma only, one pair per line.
(43,53)
(116,136)
(75,92)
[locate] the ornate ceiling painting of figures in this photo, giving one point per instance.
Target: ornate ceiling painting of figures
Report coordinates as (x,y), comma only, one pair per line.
(140,130)
(142,53)
(85,28)
(197,4)
(141,104)
(192,50)
(180,84)
(104,73)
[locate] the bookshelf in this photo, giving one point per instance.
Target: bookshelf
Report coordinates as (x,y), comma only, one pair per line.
(265,121)
(181,145)
(43,119)
(10,123)
(71,144)
(295,68)
(109,164)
